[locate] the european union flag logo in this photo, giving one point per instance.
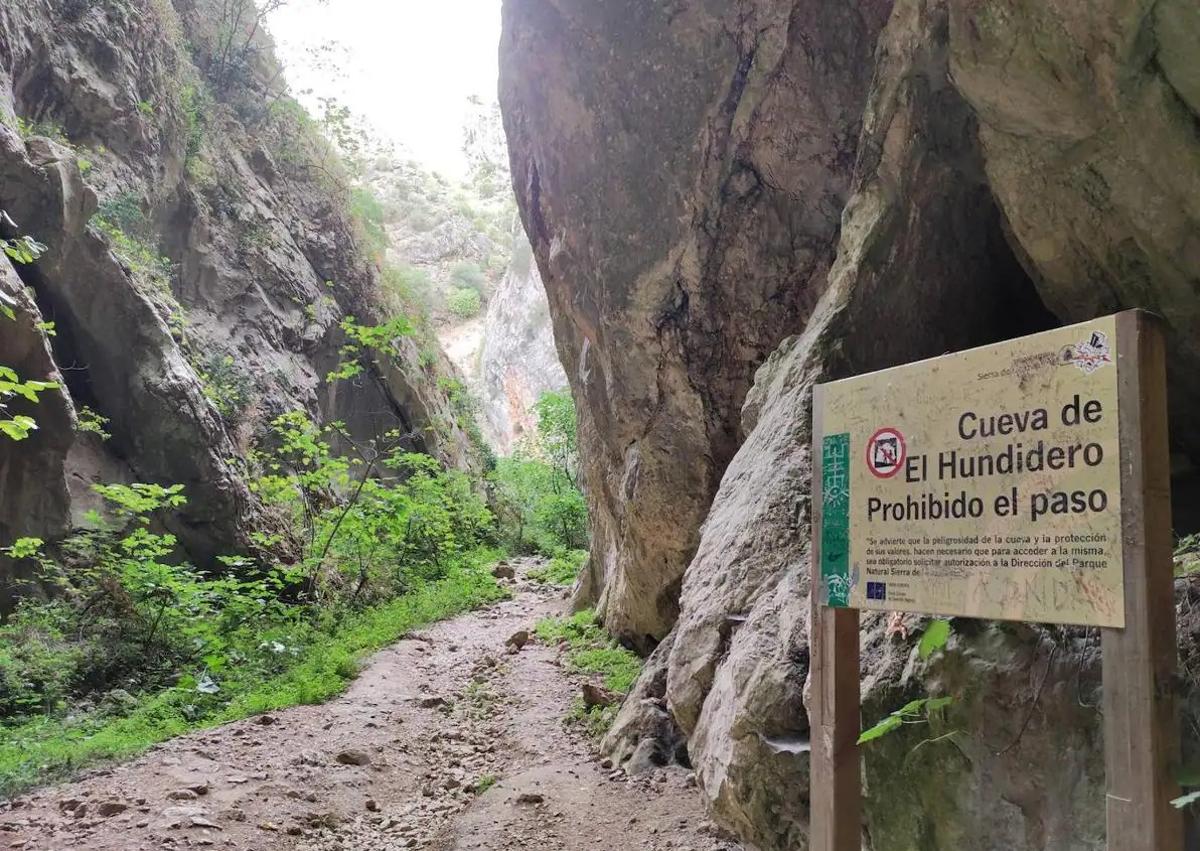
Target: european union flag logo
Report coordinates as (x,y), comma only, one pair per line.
(876,590)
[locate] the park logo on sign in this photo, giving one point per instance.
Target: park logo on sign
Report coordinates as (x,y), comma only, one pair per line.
(886,452)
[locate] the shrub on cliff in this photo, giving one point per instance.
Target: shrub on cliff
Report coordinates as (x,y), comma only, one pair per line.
(535,493)
(373,529)
(464,303)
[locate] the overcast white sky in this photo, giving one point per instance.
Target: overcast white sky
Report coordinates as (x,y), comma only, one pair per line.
(407,66)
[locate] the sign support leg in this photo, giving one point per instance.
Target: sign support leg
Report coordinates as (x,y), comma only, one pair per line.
(1141,728)
(836,792)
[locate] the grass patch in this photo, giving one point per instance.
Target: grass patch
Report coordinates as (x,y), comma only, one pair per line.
(560,570)
(592,651)
(1187,555)
(42,750)
(485,782)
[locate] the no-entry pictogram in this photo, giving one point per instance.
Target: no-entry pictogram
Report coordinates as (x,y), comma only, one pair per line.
(886,451)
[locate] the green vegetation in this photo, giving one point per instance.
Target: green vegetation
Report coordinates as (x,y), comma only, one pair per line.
(464,303)
(535,494)
(141,645)
(367,214)
(562,568)
(366,341)
(131,237)
(485,782)
(23,250)
(406,289)
(923,710)
(90,422)
(1187,555)
(18,426)
(589,650)
(42,748)
(225,384)
(468,276)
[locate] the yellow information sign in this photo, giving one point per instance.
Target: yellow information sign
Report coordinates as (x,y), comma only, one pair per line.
(984,483)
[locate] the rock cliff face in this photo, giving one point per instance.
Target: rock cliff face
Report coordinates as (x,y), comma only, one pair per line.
(205,297)
(681,170)
(1019,165)
(517,361)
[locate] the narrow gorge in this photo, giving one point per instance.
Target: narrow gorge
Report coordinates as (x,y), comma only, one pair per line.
(361,493)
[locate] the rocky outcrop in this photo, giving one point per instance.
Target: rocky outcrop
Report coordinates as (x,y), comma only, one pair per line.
(681,172)
(33,481)
(517,361)
(206,297)
(1020,165)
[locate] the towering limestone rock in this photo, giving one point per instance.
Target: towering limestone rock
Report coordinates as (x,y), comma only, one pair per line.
(517,361)
(681,170)
(1020,164)
(200,259)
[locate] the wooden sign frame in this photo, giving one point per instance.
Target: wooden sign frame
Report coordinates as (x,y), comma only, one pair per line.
(1141,726)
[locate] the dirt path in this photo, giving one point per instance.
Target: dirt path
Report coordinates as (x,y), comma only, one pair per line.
(446,741)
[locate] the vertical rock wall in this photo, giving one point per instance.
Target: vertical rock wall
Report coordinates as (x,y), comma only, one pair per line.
(681,171)
(254,261)
(517,360)
(1020,164)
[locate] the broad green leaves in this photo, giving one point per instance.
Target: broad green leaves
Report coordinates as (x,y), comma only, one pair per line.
(937,633)
(917,711)
(362,339)
(19,426)
(139,501)
(23,249)
(921,710)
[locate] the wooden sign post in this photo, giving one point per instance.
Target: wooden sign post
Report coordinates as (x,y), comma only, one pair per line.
(1028,480)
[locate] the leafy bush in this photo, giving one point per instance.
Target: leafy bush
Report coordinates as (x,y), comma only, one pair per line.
(468,275)
(131,237)
(562,569)
(381,536)
(18,426)
(464,303)
(363,340)
(126,614)
(226,385)
(537,500)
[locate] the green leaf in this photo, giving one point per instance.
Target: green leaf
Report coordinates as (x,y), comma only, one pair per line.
(935,637)
(913,707)
(887,725)
(936,703)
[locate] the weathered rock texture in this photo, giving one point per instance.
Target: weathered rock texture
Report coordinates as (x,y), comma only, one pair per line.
(121,103)
(517,361)
(1020,164)
(681,170)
